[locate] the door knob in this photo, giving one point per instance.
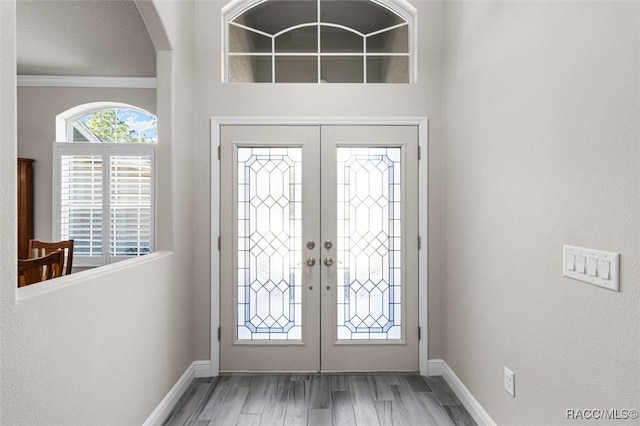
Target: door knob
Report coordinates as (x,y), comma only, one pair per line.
(328,244)
(310,261)
(328,261)
(311,245)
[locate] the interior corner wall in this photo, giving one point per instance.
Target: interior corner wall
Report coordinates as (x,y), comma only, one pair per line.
(107,346)
(37,111)
(8,177)
(541,131)
(217,99)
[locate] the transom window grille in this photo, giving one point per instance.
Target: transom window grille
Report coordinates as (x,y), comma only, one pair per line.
(105,180)
(319,41)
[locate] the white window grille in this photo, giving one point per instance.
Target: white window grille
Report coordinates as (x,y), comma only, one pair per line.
(319,41)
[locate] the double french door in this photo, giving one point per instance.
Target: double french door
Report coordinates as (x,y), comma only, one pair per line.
(319,259)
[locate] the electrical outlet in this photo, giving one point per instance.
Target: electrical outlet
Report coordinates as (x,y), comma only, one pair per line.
(510,382)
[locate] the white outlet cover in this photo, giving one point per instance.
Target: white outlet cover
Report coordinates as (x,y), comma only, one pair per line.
(510,382)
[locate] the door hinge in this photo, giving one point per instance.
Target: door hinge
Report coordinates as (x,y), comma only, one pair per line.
(219,243)
(419,152)
(219,152)
(419,242)
(218,334)
(419,333)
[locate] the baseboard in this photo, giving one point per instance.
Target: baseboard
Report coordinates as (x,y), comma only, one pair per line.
(438,367)
(163,410)
(203,368)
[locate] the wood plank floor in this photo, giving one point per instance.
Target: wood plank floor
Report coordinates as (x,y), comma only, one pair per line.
(320,399)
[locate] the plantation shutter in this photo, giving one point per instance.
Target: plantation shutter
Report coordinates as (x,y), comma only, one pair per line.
(81,202)
(130,205)
(105,201)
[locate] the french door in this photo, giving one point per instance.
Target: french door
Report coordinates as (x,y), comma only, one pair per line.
(319,258)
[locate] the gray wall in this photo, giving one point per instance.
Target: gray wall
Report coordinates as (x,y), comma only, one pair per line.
(37,110)
(103,346)
(541,107)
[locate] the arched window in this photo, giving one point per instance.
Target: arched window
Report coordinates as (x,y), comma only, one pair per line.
(113,125)
(104,173)
(319,41)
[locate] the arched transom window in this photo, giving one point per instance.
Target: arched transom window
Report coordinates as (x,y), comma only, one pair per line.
(115,125)
(319,41)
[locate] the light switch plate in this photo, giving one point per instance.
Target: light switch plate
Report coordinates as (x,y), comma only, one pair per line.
(595,267)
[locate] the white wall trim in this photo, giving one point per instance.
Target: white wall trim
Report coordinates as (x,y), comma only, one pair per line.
(423,253)
(423,277)
(202,368)
(163,410)
(438,367)
(215,253)
(86,81)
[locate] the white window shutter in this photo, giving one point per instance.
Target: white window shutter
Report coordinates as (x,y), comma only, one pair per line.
(81,202)
(130,205)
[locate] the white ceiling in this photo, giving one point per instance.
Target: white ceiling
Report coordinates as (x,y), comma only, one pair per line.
(83,37)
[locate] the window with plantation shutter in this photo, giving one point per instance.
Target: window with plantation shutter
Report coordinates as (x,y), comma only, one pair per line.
(81,203)
(130,207)
(105,189)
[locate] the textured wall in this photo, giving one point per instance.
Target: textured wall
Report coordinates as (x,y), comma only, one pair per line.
(542,147)
(37,110)
(241,68)
(8,181)
(118,336)
(396,68)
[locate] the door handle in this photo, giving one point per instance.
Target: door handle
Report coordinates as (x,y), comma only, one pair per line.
(310,261)
(328,261)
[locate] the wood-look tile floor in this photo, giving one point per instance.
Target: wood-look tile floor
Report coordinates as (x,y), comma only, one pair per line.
(320,399)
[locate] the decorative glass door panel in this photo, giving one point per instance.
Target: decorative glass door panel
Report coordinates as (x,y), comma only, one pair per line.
(369,243)
(317,270)
(269,243)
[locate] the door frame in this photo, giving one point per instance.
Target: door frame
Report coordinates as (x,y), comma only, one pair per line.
(423,212)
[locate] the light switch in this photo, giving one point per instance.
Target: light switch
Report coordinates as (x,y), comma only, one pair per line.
(600,268)
(603,269)
(592,265)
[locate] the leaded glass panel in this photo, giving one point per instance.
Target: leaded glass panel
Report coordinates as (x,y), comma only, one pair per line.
(369,243)
(269,243)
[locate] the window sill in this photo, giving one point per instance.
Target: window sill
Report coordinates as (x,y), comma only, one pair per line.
(78,278)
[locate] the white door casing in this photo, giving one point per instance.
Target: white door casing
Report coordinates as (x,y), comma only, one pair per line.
(346,350)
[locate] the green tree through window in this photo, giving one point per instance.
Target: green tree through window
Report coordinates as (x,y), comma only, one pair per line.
(117,125)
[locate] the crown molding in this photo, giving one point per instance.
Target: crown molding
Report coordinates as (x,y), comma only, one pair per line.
(86,81)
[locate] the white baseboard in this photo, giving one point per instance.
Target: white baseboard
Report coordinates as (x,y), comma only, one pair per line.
(438,367)
(203,368)
(163,410)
